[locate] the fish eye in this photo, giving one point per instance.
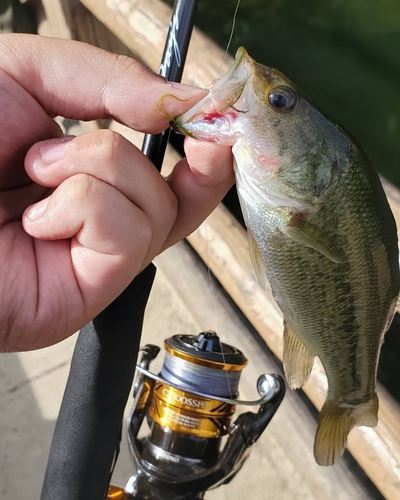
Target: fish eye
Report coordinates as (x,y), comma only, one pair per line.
(282,98)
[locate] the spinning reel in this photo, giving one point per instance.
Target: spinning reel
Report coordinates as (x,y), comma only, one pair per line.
(192,445)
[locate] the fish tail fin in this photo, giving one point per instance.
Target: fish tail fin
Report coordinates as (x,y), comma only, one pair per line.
(335,424)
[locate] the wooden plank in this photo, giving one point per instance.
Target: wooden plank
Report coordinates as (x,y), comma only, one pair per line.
(71,20)
(51,19)
(142,25)
(136,23)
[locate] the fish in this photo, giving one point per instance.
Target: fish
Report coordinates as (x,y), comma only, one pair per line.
(320,230)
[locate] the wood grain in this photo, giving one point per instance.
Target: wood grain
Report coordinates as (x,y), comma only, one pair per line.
(71,20)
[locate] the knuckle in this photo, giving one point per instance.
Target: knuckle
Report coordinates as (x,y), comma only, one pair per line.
(125,70)
(124,67)
(125,63)
(111,146)
(144,230)
(170,208)
(81,187)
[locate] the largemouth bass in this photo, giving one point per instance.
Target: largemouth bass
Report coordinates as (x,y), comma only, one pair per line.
(320,229)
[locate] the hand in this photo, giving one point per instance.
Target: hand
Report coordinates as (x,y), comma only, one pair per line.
(81,216)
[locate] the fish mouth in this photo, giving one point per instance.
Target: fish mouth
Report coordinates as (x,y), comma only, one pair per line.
(241,57)
(224,94)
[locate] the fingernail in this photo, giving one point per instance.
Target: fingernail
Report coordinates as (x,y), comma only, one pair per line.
(55,149)
(36,210)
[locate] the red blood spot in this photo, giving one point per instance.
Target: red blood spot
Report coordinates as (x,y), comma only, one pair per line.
(212,116)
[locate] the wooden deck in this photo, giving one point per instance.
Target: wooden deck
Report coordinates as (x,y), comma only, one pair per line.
(282,464)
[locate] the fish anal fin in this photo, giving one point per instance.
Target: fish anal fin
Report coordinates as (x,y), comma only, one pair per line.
(256,260)
(367,413)
(307,234)
(335,424)
(298,360)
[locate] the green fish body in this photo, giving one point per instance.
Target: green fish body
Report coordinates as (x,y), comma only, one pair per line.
(321,231)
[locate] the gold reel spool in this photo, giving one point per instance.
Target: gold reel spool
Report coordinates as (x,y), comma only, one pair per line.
(201,364)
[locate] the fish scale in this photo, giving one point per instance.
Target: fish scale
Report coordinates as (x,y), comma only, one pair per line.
(321,231)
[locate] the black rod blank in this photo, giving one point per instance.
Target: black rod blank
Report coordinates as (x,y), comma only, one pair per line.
(102,370)
(172,64)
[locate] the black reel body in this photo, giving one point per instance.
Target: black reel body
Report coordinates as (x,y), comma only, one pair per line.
(189,408)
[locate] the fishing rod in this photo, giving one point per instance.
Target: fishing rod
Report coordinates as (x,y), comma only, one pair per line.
(87,433)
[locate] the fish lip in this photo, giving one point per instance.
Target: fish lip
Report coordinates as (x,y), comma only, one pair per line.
(240,56)
(179,128)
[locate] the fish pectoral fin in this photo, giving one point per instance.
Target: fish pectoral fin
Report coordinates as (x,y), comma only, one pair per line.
(256,260)
(298,360)
(311,236)
(335,424)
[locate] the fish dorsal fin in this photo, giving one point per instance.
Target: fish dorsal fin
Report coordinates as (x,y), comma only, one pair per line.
(298,360)
(311,236)
(256,260)
(335,424)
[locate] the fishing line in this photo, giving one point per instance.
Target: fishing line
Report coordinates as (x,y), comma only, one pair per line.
(232,31)
(211,283)
(188,375)
(232,390)
(195,49)
(230,384)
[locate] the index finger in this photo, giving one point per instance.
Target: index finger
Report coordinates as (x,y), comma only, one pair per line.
(80,81)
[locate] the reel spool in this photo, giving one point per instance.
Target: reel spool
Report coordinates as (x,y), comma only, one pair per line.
(184,424)
(189,408)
